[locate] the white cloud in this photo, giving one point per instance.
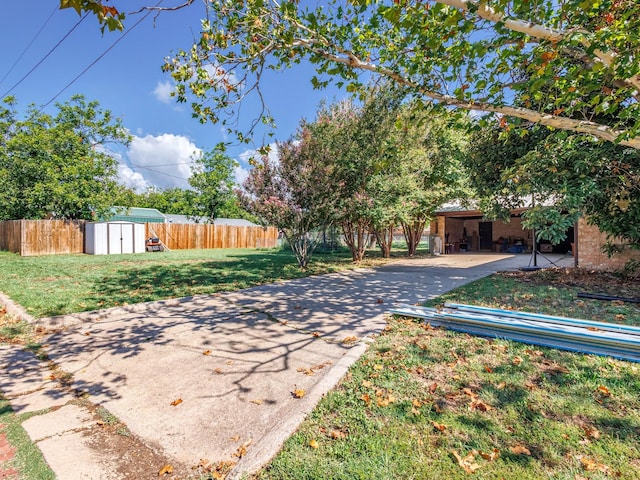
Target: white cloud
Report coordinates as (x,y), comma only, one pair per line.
(252,153)
(240,174)
(164,160)
(131,179)
(163,92)
(242,170)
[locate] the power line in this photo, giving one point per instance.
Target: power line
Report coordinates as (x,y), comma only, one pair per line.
(168,164)
(99,57)
(159,172)
(55,9)
(46,56)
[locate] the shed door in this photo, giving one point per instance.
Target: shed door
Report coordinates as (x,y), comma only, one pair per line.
(485,232)
(114,237)
(126,238)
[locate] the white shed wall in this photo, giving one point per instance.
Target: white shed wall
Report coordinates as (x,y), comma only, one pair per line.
(111,238)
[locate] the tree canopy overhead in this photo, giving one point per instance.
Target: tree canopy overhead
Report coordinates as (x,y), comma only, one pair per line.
(475,55)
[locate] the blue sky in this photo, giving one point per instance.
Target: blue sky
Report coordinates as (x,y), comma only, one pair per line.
(128,81)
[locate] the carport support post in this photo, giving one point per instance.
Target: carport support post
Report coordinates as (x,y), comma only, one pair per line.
(535,247)
(533,233)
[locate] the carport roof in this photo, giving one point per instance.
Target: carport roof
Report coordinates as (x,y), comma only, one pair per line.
(462,212)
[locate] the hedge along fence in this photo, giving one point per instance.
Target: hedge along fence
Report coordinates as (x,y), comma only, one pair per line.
(177,236)
(52,237)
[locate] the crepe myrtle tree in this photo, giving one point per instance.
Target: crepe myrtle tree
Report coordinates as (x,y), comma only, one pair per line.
(288,192)
(458,53)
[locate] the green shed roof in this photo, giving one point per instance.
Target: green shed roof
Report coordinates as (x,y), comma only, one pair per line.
(136,214)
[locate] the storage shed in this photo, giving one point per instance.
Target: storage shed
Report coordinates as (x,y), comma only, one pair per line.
(108,238)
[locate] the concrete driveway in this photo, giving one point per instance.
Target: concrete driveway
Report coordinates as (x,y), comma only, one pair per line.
(212,376)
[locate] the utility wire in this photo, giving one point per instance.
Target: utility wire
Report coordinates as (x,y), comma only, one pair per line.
(168,164)
(159,172)
(99,57)
(46,56)
(55,9)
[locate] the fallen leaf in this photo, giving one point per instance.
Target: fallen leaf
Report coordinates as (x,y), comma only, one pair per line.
(314,444)
(207,352)
(591,432)
(516,360)
(433,387)
(222,469)
(416,403)
(367,383)
(229,362)
(242,449)
(469,392)
(520,450)
(316,334)
(479,405)
(298,393)
(350,339)
(235,438)
(257,401)
(490,457)
(593,466)
(441,427)
(488,369)
(166,470)
(176,402)
(378,367)
(467,463)
(87,333)
(501,385)
(219,370)
(366,398)
(604,390)
(337,434)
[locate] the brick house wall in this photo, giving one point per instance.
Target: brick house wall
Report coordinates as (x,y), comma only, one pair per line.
(590,255)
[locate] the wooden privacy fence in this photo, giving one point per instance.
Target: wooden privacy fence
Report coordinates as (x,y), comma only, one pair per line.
(51,237)
(42,237)
(177,236)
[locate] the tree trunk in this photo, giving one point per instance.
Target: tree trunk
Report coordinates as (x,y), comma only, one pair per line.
(356,236)
(384,237)
(413,234)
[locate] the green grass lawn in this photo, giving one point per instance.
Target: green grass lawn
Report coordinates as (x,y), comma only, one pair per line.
(427,403)
(423,402)
(59,284)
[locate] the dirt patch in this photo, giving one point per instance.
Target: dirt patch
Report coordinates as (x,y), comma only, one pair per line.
(135,460)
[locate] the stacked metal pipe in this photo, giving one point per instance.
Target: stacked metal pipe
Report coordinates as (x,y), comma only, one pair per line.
(586,336)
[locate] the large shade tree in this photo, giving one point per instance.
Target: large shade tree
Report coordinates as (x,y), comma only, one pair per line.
(559,178)
(212,178)
(462,53)
(58,165)
(430,151)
